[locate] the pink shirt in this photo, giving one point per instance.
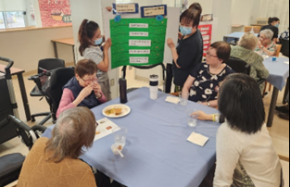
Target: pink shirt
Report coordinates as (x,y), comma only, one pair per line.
(67,100)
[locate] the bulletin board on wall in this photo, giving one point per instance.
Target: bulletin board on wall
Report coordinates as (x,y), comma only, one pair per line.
(139,39)
(206,32)
(55,12)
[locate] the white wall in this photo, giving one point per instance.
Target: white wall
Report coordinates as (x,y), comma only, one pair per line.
(26,48)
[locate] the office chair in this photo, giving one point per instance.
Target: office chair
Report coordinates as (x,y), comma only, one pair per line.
(257,29)
(10,165)
(146,68)
(41,81)
(285,47)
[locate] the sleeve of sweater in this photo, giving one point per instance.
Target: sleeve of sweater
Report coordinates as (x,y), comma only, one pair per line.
(66,101)
(262,71)
(227,157)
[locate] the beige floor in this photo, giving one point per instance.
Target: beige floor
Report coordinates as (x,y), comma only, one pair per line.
(279,131)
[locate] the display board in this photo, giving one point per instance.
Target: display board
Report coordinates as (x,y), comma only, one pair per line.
(138,41)
(206,32)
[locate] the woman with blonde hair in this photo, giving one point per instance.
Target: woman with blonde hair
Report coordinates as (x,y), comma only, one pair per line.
(245,52)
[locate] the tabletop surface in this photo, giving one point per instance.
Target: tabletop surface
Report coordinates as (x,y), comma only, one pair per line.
(14,71)
(66,41)
(237,35)
(157,153)
(279,71)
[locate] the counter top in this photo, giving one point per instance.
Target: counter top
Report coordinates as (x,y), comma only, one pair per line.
(30,29)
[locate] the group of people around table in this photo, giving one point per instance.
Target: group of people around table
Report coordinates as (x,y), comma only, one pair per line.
(245,154)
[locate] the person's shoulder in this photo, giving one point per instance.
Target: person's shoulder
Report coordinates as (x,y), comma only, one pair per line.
(225,130)
(229,70)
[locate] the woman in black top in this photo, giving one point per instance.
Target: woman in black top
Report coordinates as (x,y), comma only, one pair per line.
(189,50)
(274,24)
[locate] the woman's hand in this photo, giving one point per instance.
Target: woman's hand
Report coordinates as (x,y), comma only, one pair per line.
(108,44)
(85,92)
(200,115)
(170,43)
(97,89)
(109,9)
(180,35)
(260,45)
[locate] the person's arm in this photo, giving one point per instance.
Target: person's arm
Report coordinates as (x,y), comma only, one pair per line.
(227,158)
(187,85)
(262,71)
(88,179)
(66,101)
(269,52)
(213,103)
(104,65)
(185,58)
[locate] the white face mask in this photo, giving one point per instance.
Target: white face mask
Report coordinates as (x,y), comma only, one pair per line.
(99,41)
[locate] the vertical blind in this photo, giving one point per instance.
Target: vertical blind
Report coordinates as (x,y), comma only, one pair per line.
(12,5)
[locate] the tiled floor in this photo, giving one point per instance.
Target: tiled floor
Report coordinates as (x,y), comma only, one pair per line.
(279,131)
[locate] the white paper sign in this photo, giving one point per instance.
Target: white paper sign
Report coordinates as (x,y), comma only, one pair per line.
(143,43)
(139,60)
(137,51)
(145,34)
(138,25)
(154,11)
(105,127)
(125,8)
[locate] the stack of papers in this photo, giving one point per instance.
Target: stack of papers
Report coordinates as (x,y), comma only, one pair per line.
(198,139)
(174,100)
(105,127)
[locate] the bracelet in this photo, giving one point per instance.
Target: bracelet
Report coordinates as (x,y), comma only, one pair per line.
(213,117)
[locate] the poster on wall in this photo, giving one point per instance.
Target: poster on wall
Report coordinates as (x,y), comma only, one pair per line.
(55,12)
(138,41)
(206,32)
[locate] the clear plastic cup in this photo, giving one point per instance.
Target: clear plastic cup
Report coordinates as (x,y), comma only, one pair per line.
(191,119)
(183,98)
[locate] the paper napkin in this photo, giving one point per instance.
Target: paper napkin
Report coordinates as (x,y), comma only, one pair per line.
(174,100)
(198,139)
(287,62)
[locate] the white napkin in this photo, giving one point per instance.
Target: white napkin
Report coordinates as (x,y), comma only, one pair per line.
(287,62)
(174,100)
(198,139)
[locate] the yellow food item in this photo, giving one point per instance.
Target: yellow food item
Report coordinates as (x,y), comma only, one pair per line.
(110,111)
(118,111)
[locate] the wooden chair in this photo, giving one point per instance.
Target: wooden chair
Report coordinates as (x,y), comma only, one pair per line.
(278,50)
(257,29)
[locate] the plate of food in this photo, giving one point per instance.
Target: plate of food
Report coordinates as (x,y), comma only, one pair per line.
(116,111)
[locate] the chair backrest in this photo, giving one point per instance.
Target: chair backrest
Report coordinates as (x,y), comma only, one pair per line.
(50,64)
(278,49)
(58,79)
(285,47)
(257,29)
(239,66)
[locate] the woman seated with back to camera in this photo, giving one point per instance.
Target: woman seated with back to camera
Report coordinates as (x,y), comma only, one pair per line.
(203,84)
(245,52)
(266,45)
(83,89)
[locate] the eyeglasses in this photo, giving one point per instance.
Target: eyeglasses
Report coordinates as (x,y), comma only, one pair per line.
(207,53)
(263,38)
(90,80)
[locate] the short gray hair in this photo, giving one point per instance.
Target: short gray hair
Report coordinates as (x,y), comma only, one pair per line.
(268,33)
(248,41)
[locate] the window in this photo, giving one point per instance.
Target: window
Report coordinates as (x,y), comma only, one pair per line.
(11,20)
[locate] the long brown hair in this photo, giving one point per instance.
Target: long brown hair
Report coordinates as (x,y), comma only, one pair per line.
(74,129)
(86,32)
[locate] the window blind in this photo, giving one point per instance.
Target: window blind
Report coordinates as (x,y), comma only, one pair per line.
(12,5)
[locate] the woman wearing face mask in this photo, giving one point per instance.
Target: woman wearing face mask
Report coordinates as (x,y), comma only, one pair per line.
(189,51)
(91,41)
(274,24)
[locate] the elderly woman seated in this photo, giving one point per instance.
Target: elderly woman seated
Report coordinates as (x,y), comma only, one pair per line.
(203,84)
(83,89)
(266,45)
(245,52)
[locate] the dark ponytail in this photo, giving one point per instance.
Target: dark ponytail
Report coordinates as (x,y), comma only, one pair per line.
(86,32)
(271,20)
(196,6)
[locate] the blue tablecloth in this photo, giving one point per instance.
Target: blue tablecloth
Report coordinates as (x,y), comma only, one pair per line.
(279,72)
(157,153)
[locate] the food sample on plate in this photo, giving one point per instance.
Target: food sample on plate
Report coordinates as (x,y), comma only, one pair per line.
(118,111)
(109,128)
(110,111)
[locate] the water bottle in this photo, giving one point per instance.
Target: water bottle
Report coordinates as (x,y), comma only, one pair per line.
(123,91)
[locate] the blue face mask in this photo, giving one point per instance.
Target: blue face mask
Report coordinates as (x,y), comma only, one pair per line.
(99,41)
(277,25)
(185,30)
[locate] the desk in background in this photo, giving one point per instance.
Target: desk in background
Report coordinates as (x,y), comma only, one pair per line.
(19,73)
(279,72)
(66,41)
(157,153)
(234,37)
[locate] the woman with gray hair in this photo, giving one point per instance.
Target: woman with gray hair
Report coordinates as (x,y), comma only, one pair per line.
(55,161)
(266,45)
(245,52)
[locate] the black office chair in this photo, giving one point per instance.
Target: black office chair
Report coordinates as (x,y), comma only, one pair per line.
(58,79)
(146,68)
(285,47)
(10,165)
(41,81)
